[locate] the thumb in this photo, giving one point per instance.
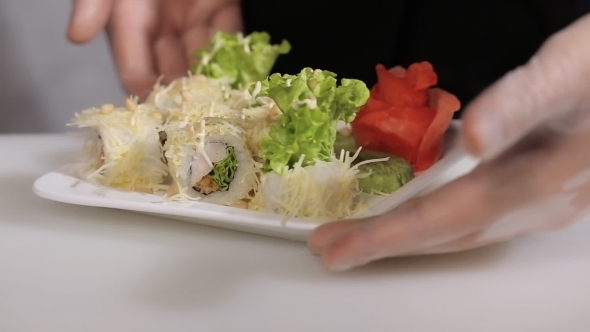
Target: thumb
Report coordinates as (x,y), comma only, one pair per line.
(88,18)
(550,85)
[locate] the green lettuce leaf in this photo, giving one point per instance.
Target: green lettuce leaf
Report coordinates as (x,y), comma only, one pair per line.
(242,59)
(224,171)
(311,103)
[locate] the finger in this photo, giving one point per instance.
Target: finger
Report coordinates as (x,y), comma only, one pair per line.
(193,39)
(465,206)
(197,30)
(131,29)
(549,85)
(226,18)
(468,242)
(169,53)
(443,216)
(509,196)
(88,18)
(326,233)
(170,58)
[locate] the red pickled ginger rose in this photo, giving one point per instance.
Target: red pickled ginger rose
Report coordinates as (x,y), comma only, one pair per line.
(405,115)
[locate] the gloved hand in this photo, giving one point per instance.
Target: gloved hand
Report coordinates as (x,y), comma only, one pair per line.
(150,38)
(531,130)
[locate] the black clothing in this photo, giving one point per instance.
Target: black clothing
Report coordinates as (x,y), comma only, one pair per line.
(470,43)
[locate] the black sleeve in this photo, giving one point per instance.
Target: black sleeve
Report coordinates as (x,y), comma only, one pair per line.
(559,14)
(346,37)
(471,43)
(474,43)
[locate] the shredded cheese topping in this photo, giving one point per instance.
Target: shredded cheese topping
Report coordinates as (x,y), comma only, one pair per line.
(325,190)
(124,149)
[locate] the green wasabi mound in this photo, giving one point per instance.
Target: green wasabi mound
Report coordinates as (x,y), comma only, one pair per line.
(385,176)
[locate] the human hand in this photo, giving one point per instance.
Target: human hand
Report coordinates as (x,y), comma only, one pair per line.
(531,131)
(150,38)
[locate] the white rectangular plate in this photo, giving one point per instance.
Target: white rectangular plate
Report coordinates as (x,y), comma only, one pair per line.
(62,187)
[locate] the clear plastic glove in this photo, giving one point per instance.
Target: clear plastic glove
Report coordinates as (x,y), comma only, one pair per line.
(531,130)
(150,38)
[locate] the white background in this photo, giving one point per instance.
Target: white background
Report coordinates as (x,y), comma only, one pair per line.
(44,78)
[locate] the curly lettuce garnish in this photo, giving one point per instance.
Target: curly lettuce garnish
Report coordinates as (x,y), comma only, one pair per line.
(224,170)
(311,103)
(241,59)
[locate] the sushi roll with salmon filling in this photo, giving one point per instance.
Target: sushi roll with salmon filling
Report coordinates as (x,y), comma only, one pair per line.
(124,150)
(210,162)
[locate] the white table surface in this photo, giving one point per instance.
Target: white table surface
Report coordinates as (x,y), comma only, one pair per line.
(73,268)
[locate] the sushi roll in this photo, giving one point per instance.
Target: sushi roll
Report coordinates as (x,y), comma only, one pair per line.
(325,190)
(124,148)
(210,162)
(192,89)
(190,99)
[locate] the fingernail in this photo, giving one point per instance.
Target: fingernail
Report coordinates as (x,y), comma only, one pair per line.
(313,247)
(314,250)
(489,134)
(341,266)
(347,264)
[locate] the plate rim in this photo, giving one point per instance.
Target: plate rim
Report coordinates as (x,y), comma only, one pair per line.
(230,216)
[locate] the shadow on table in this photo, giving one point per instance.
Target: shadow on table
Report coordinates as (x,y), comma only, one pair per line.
(200,266)
(201,280)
